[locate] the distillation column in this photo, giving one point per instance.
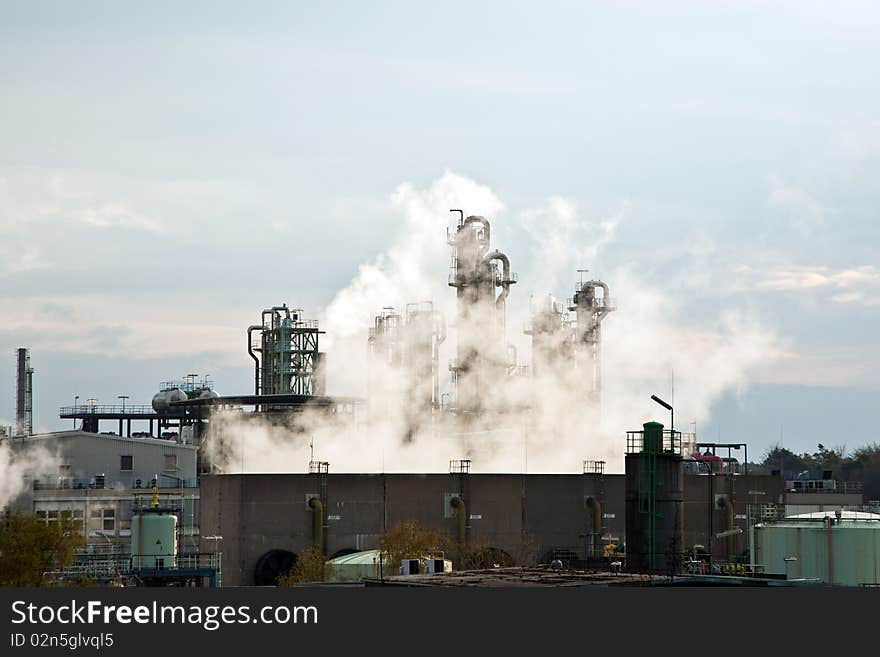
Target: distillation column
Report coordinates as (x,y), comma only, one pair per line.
(404,363)
(552,335)
(482,358)
(289,360)
(590,309)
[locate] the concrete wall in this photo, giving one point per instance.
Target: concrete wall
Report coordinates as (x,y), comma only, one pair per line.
(726,489)
(528,516)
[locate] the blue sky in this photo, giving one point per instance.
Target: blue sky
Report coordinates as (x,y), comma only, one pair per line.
(166,172)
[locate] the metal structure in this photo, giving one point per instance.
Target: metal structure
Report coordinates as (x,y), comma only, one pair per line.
(483,357)
(590,309)
(552,337)
(654,499)
(409,344)
(24,394)
(289,360)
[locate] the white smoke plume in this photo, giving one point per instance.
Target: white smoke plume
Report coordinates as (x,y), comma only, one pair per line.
(18,468)
(542,423)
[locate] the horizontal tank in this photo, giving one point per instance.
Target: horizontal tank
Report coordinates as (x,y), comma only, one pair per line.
(153,540)
(162,400)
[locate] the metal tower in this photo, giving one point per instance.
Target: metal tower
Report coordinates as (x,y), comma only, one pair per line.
(482,357)
(24,394)
(590,309)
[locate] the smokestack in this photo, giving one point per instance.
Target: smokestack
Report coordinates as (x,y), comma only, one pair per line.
(24,397)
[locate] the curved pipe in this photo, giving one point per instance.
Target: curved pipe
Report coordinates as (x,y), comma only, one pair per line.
(596,507)
(461,513)
(606,295)
(317,507)
(250,348)
(271,312)
(505,276)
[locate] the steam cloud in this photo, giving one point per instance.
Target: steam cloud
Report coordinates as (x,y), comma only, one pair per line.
(546,424)
(18,467)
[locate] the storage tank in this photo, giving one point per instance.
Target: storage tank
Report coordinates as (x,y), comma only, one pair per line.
(163,399)
(839,548)
(153,537)
(654,500)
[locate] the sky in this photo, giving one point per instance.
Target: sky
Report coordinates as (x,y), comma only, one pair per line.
(167,171)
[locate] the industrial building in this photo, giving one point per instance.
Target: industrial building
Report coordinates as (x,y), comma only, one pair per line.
(680,506)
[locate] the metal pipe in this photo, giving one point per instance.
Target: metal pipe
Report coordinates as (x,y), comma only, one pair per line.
(440,323)
(317,507)
(250,348)
(731,539)
(505,275)
(596,507)
(461,510)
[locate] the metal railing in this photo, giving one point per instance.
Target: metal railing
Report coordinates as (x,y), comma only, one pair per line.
(92,483)
(104,409)
(827,486)
(594,467)
(635,442)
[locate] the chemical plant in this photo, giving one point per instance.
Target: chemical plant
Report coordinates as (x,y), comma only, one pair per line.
(147,482)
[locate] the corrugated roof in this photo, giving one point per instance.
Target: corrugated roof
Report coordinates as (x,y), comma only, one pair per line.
(844,515)
(367,557)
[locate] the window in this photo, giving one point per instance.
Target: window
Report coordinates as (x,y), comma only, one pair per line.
(126,463)
(54,515)
(109,520)
(102,520)
(171,461)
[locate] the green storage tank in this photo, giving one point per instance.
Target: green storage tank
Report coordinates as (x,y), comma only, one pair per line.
(840,550)
(153,539)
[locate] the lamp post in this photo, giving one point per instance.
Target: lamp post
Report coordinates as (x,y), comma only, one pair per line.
(667,407)
(75,402)
(123,398)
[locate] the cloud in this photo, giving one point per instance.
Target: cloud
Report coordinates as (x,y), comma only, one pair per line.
(16,257)
(802,209)
(112,215)
(563,240)
(860,285)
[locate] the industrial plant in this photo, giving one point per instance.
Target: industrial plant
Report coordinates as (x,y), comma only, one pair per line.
(160,502)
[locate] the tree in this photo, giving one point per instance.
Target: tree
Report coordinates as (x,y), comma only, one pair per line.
(779,458)
(30,547)
(408,540)
(309,567)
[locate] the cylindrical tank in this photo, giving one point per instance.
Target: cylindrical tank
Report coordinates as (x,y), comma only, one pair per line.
(208,394)
(654,504)
(843,551)
(153,540)
(163,399)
